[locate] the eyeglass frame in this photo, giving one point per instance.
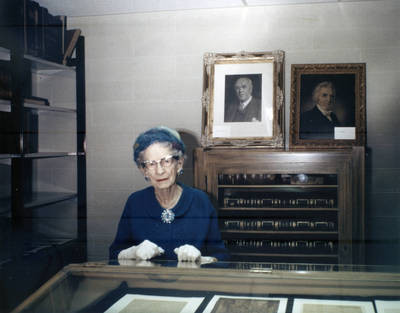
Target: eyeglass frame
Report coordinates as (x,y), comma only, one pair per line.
(159,162)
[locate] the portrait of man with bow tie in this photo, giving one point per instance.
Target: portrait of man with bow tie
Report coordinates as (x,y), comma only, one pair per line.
(320,121)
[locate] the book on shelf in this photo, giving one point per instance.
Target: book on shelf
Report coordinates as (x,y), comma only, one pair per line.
(33,29)
(12,24)
(5,80)
(230,202)
(9,134)
(282,246)
(71,39)
(280,225)
(54,28)
(63,20)
(284,266)
(43,12)
(34,23)
(31,130)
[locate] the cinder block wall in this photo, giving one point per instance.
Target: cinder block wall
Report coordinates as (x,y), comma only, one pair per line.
(145,69)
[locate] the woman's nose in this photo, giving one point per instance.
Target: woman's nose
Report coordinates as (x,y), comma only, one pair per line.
(159,168)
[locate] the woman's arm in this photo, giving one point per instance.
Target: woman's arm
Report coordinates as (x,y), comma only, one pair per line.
(123,238)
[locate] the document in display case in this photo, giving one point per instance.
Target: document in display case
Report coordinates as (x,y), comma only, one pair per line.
(317,306)
(136,303)
(387,306)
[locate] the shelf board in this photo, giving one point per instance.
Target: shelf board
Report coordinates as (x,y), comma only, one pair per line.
(44,155)
(41,244)
(29,244)
(40,155)
(48,108)
(6,156)
(47,198)
(278,232)
(39,64)
(278,186)
(5,54)
(286,255)
(5,105)
(278,209)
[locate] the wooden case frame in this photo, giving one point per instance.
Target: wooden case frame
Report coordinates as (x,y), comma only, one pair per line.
(220,72)
(80,285)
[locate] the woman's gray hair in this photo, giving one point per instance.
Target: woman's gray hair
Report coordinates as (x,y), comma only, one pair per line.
(162,135)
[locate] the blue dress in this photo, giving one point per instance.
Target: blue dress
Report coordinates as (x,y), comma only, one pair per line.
(195,223)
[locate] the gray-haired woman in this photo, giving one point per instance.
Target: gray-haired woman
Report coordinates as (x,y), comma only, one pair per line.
(167,220)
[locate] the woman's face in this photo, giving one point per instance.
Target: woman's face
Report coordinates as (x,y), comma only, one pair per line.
(160,168)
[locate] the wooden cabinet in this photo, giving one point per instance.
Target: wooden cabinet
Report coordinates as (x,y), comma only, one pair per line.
(283,206)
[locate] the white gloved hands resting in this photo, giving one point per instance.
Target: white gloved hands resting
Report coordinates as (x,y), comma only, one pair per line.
(144,251)
(187,253)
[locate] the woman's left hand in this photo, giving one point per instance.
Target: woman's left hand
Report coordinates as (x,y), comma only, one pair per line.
(187,253)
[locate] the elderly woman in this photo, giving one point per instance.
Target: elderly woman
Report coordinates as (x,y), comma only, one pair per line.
(166,220)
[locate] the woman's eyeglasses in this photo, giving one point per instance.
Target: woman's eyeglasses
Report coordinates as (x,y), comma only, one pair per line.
(165,162)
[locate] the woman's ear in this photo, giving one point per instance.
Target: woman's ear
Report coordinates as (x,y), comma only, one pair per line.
(181,161)
(142,170)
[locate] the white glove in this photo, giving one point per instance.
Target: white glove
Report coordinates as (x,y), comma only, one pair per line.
(141,263)
(187,253)
(182,264)
(127,254)
(145,251)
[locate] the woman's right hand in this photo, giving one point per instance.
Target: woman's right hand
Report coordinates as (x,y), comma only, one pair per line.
(147,250)
(144,251)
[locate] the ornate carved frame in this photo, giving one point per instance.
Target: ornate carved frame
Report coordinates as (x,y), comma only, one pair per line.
(211,61)
(331,72)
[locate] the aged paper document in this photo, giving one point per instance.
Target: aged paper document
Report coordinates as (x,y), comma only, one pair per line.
(331,306)
(135,303)
(231,304)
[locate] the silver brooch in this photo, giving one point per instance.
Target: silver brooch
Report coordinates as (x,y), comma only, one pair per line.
(167,216)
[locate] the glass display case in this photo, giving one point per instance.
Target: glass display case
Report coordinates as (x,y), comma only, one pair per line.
(217,287)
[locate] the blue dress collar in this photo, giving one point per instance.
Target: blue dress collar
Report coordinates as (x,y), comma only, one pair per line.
(155,209)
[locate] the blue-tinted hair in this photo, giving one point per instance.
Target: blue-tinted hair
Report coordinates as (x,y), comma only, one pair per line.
(161,134)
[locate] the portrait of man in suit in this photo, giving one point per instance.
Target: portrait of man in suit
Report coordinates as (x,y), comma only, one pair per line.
(320,118)
(241,101)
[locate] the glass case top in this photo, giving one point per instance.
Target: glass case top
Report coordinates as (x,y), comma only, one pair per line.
(97,287)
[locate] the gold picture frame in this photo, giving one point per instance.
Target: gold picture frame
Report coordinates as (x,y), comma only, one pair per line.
(226,76)
(333,90)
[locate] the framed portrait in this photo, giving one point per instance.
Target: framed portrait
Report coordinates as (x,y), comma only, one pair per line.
(243,99)
(327,108)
